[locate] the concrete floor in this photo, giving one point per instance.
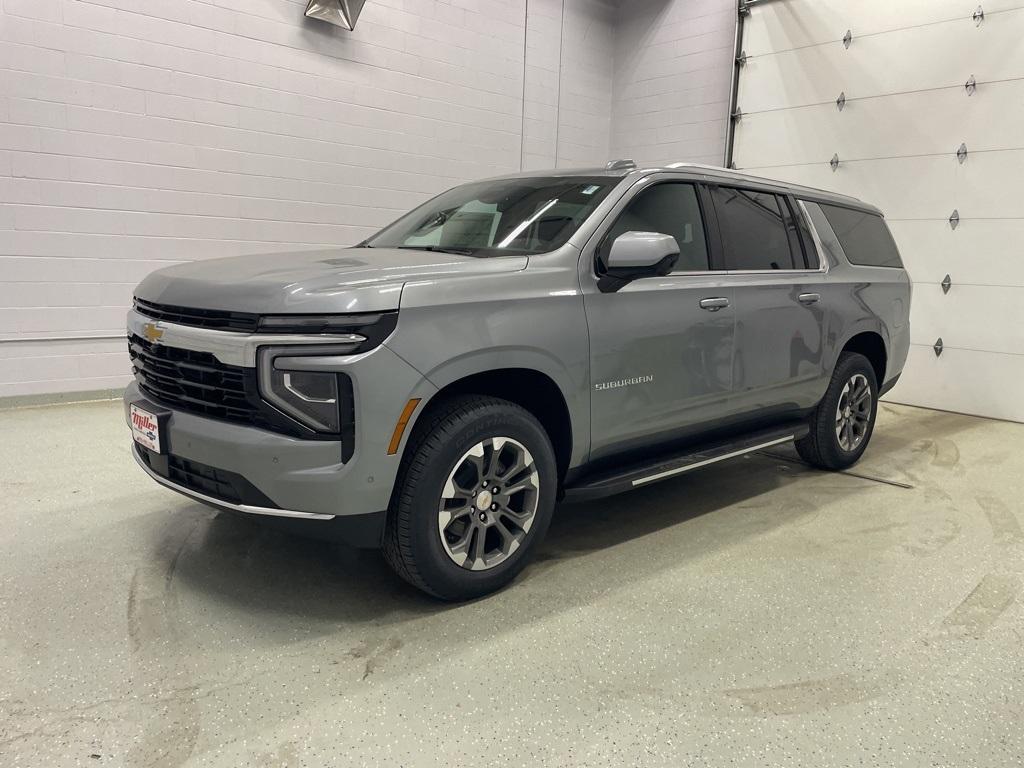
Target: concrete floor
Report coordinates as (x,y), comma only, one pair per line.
(756,614)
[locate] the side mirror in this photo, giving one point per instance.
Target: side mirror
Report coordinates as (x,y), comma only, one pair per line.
(638,254)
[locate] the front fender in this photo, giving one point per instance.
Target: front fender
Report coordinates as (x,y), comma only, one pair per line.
(449,331)
(468,364)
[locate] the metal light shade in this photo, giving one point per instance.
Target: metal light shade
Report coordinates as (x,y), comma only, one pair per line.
(341,13)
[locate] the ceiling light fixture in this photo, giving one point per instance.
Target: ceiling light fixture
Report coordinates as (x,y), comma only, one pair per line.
(341,13)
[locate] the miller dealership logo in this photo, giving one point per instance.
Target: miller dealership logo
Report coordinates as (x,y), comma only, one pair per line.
(152,333)
(624,382)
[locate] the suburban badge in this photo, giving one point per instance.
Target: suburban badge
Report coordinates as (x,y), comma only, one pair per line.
(645,379)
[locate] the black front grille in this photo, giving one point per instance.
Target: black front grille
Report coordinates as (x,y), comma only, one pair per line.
(200,318)
(196,382)
(219,484)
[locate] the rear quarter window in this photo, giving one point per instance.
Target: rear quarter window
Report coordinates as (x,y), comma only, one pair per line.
(865,238)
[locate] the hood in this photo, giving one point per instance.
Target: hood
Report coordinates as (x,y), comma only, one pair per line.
(337,280)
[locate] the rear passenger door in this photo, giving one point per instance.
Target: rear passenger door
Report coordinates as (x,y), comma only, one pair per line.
(781,317)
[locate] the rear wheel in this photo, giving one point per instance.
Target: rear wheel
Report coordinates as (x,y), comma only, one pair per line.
(474,497)
(841,425)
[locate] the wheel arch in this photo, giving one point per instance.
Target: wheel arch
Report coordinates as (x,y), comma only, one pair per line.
(530,388)
(871,344)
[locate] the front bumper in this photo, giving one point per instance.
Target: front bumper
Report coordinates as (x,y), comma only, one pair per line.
(296,478)
(361,530)
(149,461)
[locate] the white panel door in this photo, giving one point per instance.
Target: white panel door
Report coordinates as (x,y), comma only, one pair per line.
(910,58)
(962,380)
(906,113)
(924,122)
(801,23)
(980,252)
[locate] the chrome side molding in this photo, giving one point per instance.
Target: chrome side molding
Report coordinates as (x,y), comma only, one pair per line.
(713,460)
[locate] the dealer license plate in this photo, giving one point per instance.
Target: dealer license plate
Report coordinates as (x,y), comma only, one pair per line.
(145,428)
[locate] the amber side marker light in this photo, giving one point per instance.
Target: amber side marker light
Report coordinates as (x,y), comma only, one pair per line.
(403,422)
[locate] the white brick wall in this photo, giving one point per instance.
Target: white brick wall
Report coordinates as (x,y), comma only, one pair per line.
(540,99)
(585,91)
(138,134)
(673,66)
(569,68)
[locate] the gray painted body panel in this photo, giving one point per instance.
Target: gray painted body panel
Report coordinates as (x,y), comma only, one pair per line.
(659,361)
(782,356)
(337,280)
(635,367)
(532,319)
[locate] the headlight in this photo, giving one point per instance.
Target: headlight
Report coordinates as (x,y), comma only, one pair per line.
(295,382)
(364,331)
(309,396)
(317,323)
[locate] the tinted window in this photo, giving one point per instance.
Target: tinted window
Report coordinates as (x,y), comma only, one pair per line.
(793,230)
(754,234)
(865,238)
(671,209)
(499,217)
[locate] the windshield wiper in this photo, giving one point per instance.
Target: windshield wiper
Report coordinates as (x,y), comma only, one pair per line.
(437,249)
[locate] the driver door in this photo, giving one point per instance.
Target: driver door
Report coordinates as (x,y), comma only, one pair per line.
(661,348)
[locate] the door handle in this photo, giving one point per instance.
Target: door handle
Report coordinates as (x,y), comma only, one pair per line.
(714,304)
(809,298)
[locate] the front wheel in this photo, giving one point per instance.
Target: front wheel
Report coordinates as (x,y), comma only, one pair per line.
(474,497)
(841,425)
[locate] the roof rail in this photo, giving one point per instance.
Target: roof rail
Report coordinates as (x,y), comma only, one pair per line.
(619,165)
(738,174)
(697,165)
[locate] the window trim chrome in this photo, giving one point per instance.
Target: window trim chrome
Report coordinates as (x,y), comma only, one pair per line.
(819,246)
(743,272)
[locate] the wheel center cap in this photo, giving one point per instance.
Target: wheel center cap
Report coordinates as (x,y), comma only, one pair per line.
(484,499)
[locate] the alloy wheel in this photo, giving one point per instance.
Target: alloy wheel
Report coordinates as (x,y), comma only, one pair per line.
(488,503)
(853,413)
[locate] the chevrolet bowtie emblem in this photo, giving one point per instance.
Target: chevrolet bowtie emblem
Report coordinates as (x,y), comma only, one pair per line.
(152,333)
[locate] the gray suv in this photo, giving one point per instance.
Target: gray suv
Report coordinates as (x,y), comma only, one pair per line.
(438,388)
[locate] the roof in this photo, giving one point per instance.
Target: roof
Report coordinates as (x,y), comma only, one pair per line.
(728,174)
(624,168)
(612,173)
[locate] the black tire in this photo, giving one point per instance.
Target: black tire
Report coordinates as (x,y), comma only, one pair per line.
(822,447)
(441,438)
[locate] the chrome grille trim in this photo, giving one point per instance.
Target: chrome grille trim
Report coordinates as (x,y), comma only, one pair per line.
(230,347)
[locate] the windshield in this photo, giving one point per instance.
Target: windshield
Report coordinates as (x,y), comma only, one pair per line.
(499,218)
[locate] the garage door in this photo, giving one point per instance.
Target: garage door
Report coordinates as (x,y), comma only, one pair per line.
(918,107)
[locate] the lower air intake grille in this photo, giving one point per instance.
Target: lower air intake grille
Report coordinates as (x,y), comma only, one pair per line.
(219,484)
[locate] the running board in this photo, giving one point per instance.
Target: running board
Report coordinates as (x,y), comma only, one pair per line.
(664,467)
